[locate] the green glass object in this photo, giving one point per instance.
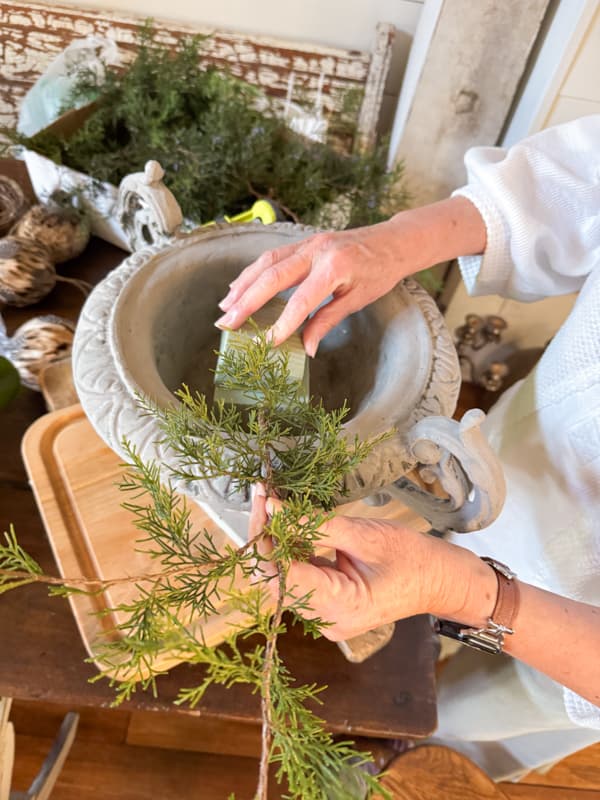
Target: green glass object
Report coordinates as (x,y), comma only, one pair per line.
(9,382)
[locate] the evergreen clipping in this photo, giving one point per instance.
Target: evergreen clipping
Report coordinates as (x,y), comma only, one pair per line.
(294,447)
(221,142)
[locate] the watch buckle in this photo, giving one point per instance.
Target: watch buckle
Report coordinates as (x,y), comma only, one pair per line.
(493,628)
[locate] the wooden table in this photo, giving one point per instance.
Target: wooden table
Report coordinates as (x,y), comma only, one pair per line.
(391,695)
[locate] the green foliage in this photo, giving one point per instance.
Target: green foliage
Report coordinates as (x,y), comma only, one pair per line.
(17,568)
(219,140)
(430,281)
(295,449)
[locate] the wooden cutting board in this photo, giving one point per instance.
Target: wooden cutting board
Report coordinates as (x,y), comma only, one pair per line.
(75,478)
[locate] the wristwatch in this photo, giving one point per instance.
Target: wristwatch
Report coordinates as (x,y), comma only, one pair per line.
(490,638)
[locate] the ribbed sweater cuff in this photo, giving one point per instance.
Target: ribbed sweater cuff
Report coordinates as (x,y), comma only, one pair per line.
(490,272)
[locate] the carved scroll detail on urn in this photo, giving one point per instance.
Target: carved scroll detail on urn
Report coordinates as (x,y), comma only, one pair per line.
(457,455)
(147,211)
(441,394)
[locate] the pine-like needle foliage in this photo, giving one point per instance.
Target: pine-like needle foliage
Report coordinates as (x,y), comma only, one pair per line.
(219,140)
(295,448)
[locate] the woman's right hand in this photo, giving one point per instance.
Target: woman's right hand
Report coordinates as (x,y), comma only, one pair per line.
(353,268)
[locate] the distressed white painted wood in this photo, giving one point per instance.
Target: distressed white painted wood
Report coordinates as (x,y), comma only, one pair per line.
(32,34)
(336,23)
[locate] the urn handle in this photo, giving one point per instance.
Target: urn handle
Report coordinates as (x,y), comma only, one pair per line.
(457,455)
(147,211)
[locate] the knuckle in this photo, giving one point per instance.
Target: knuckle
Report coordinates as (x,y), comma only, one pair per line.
(300,305)
(269,278)
(323,325)
(334,268)
(324,240)
(340,631)
(266,259)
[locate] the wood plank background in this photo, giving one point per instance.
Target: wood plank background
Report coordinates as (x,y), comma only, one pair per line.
(167,763)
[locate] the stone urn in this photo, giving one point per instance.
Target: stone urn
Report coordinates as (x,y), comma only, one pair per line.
(149,327)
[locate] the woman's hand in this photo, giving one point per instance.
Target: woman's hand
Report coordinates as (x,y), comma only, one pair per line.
(381,572)
(353,268)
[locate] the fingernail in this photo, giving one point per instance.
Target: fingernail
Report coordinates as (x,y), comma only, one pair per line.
(269,508)
(227,301)
(227,320)
(310,348)
(271,335)
(258,490)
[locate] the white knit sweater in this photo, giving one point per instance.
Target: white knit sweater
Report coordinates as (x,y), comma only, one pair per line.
(541,204)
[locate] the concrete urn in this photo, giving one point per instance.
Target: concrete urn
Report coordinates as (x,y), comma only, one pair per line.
(149,327)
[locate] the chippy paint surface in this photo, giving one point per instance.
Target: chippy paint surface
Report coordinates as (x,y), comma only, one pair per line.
(32,34)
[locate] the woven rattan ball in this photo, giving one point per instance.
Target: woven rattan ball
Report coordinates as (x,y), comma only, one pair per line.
(63,231)
(12,203)
(26,271)
(38,342)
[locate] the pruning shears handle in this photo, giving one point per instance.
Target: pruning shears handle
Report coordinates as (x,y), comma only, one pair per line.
(261,211)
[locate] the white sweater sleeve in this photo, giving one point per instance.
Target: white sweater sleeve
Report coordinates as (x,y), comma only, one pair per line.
(540,201)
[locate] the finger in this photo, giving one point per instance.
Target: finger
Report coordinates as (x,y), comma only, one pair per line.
(264,568)
(271,281)
(336,533)
(273,505)
(248,275)
(327,589)
(304,578)
(309,296)
(324,320)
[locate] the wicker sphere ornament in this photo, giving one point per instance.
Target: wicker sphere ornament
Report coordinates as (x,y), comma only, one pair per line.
(36,344)
(26,271)
(63,230)
(12,203)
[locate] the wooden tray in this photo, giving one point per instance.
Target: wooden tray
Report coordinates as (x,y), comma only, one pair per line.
(75,478)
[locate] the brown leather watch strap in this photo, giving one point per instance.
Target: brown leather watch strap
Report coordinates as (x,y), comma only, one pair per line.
(507,603)
(489,638)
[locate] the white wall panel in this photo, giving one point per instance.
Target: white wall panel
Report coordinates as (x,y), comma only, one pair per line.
(338,23)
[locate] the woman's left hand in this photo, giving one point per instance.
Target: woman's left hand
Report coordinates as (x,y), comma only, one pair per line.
(381,571)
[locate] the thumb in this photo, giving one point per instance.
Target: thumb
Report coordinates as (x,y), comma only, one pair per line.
(258,513)
(338,533)
(304,578)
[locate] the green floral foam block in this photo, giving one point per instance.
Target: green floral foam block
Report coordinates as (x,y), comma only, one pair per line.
(236,340)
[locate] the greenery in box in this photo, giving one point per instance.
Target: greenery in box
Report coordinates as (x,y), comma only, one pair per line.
(295,448)
(219,140)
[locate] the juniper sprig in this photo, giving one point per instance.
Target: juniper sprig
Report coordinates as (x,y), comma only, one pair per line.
(296,449)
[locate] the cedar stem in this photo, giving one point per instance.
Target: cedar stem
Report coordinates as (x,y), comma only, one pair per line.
(266,700)
(106,583)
